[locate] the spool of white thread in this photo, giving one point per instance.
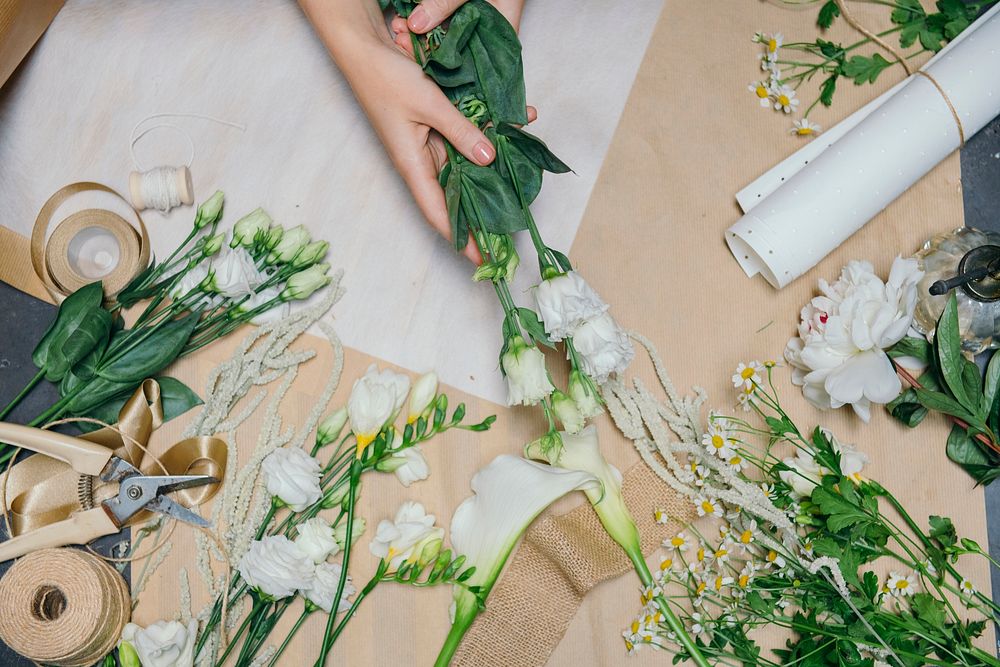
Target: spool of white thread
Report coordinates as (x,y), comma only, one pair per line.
(161,188)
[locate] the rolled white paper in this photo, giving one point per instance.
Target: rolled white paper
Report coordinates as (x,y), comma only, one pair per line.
(810,203)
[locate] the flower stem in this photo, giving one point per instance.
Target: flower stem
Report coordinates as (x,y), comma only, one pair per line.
(24,392)
(288,639)
(465,614)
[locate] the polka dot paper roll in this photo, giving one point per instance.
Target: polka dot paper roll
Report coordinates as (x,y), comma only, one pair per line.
(808,205)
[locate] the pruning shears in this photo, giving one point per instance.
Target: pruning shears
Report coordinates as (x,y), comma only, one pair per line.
(136,492)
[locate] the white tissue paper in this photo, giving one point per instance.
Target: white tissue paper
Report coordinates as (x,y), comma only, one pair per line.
(806,206)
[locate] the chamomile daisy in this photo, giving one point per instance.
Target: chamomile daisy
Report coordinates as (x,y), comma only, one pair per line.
(717,441)
(805,128)
(660,516)
(747,375)
(774,559)
(679,542)
(707,506)
(966,587)
(901,585)
(762,89)
(746,537)
(785,99)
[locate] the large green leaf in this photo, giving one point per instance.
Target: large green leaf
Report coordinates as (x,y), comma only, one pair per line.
(452,53)
(153,354)
(528,175)
(969,453)
(78,327)
(496,52)
(98,390)
(992,381)
(493,199)
(948,343)
(533,148)
(453,200)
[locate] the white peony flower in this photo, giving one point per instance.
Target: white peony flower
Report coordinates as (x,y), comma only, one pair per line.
(293,476)
(316,539)
(402,539)
(565,302)
(839,355)
(806,474)
(423,395)
(376,399)
(603,346)
(524,366)
(276,567)
(323,587)
(235,274)
(163,644)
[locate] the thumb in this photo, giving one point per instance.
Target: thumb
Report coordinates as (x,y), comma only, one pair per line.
(430,13)
(461,132)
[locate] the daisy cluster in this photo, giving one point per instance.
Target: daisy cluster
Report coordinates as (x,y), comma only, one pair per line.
(773,92)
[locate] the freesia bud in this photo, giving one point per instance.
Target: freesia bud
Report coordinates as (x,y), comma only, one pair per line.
(212,245)
(292,241)
(248,226)
(429,551)
(422,396)
(330,428)
(310,254)
(336,496)
(302,284)
(357,530)
(527,380)
(210,211)
(567,412)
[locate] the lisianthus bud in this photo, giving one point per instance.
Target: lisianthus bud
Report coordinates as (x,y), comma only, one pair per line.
(336,496)
(567,412)
(357,530)
(310,254)
(504,259)
(212,245)
(546,448)
(127,655)
(273,237)
(330,428)
(422,396)
(527,380)
(292,240)
(210,211)
(584,394)
(249,226)
(302,284)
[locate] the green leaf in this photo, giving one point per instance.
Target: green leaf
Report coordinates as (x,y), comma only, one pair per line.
(453,200)
(907,11)
(533,148)
(992,380)
(972,382)
(80,325)
(931,39)
(910,33)
(153,354)
(827,13)
(99,390)
(827,90)
(943,530)
(948,343)
(494,198)
(840,513)
(451,53)
(935,400)
(907,409)
(928,609)
(533,326)
(527,174)
(911,346)
(968,453)
(496,52)
(865,69)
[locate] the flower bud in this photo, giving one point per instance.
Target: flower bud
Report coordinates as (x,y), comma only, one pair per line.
(210,211)
(273,237)
(292,241)
(310,254)
(302,284)
(335,496)
(567,412)
(422,396)
(429,551)
(390,464)
(247,228)
(546,448)
(504,259)
(584,394)
(330,428)
(357,530)
(127,655)
(524,366)
(212,245)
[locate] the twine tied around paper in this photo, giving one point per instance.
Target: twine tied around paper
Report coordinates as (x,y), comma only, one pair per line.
(63,607)
(901,59)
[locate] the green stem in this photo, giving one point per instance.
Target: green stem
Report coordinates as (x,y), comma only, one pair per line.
(288,639)
(641,569)
(24,392)
(465,614)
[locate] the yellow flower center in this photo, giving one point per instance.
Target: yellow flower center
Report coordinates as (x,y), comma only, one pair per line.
(718,583)
(761,91)
(735,461)
(708,507)
(629,645)
(666,564)
(701,554)
(748,372)
(783,100)
(718,441)
(701,588)
(635,626)
(722,553)
(746,537)
(744,580)
(772,556)
(804,131)
(902,584)
(677,541)
(364,439)
(772,45)
(658,515)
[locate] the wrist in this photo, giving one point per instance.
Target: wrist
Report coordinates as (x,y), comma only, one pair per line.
(349,29)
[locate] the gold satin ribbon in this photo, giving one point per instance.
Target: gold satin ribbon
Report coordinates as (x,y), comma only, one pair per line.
(40,490)
(50,259)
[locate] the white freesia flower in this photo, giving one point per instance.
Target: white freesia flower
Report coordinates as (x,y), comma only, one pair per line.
(603,346)
(524,366)
(276,567)
(235,274)
(565,302)
(330,428)
(247,227)
(324,585)
(316,539)
(839,355)
(423,395)
(376,399)
(509,493)
(402,539)
(293,476)
(806,474)
(409,465)
(163,644)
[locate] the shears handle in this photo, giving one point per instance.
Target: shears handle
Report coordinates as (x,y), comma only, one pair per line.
(85,457)
(80,528)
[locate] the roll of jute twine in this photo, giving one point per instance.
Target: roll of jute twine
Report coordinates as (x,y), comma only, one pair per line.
(63,607)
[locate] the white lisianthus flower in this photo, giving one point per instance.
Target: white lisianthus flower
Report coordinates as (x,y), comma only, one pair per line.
(276,567)
(213,244)
(402,539)
(839,355)
(277,310)
(376,399)
(292,476)
(324,585)
(565,302)
(567,412)
(409,465)
(162,644)
(423,395)
(191,280)
(584,394)
(524,366)
(292,241)
(806,474)
(330,428)
(603,346)
(235,274)
(247,228)
(357,530)
(315,538)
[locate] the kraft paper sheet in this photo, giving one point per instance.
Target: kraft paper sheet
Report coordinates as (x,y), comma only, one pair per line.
(651,243)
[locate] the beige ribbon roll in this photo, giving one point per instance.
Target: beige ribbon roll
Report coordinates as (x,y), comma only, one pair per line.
(63,607)
(89,245)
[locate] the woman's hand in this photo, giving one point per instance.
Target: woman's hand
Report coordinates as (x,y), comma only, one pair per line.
(408,111)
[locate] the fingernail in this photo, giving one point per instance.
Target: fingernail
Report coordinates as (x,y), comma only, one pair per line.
(419,20)
(483,152)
